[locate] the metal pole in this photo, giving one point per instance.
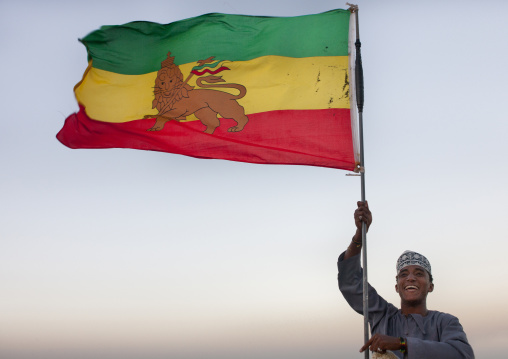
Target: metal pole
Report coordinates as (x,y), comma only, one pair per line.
(359,100)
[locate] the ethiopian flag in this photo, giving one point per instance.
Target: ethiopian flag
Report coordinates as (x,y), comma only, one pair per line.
(273,90)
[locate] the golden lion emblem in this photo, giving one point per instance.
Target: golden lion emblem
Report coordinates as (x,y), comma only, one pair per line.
(175,99)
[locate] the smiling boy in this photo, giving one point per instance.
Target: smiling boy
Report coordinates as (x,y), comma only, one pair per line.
(412,331)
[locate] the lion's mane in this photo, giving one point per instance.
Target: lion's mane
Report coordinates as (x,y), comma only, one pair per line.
(169,86)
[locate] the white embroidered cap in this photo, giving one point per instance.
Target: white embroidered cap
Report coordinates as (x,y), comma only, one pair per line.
(409,258)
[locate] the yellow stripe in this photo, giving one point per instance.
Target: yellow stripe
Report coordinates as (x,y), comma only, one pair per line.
(272,82)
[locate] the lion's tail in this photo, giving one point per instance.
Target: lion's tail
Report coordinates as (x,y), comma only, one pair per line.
(212,82)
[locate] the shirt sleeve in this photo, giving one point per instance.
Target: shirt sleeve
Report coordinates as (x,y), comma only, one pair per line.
(453,343)
(350,280)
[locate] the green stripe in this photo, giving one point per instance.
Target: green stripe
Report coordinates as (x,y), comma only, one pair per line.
(212,65)
(140,47)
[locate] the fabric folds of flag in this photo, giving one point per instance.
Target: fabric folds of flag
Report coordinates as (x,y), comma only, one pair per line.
(273,90)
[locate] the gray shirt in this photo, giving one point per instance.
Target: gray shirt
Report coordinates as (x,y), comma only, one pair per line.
(436,335)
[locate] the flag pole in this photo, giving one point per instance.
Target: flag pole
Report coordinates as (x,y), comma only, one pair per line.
(359,102)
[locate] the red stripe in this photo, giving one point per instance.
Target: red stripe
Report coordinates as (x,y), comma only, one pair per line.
(213,72)
(301,137)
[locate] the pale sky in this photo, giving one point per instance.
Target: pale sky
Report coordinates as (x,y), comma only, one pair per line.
(126,254)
